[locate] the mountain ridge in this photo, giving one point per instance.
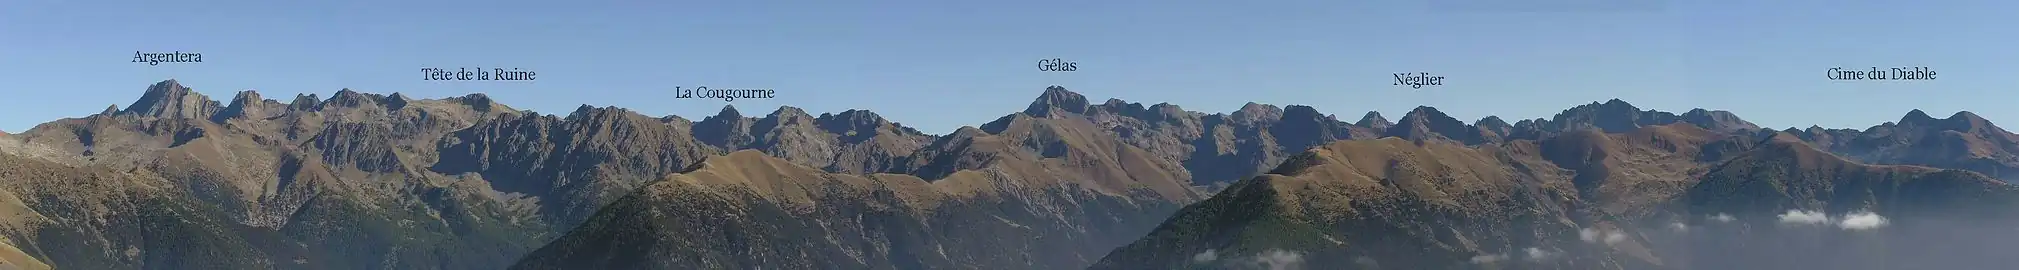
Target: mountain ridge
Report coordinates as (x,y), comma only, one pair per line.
(466,182)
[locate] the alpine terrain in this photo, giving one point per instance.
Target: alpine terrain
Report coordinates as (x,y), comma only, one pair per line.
(357,180)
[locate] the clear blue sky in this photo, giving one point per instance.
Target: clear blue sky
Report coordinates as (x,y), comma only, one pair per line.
(938,65)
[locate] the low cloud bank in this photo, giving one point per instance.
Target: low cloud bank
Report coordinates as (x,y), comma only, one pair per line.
(1722,218)
(1900,238)
(1533,254)
(1273,259)
(1861,220)
(1803,217)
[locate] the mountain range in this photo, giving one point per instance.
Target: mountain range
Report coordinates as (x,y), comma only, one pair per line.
(177,180)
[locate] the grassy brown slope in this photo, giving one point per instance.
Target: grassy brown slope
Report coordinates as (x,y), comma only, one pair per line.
(92,218)
(1390,201)
(1044,152)
(1628,174)
(747,210)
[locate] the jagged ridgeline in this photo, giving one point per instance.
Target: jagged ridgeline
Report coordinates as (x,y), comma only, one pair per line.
(177,180)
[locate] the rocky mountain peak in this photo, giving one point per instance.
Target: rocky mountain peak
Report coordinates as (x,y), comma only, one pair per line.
(1166,112)
(1057,97)
(1614,106)
(1964,121)
(1303,126)
(1425,122)
(247,96)
(1167,109)
(728,129)
(1716,120)
(728,112)
(303,102)
(396,101)
(1492,128)
(1612,116)
(587,112)
(1256,113)
(854,116)
(1617,103)
(1115,102)
(784,113)
(858,121)
(583,109)
(783,117)
(1374,120)
(608,116)
(1916,116)
(1491,122)
(1424,111)
(784,120)
(1124,108)
(347,98)
(480,102)
(1301,112)
(1967,117)
(170,99)
(247,103)
(966,132)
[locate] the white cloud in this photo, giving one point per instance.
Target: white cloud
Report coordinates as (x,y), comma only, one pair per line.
(1590,235)
(1723,218)
(1537,254)
(1679,227)
(1208,256)
(1532,254)
(1276,259)
(1804,217)
(1862,220)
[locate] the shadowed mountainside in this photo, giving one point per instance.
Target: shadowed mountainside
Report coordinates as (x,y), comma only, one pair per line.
(748,210)
(1666,197)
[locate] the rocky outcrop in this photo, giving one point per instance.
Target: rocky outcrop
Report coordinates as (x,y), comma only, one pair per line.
(170,99)
(1961,141)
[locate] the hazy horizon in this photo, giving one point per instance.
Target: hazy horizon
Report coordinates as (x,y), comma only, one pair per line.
(937,66)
